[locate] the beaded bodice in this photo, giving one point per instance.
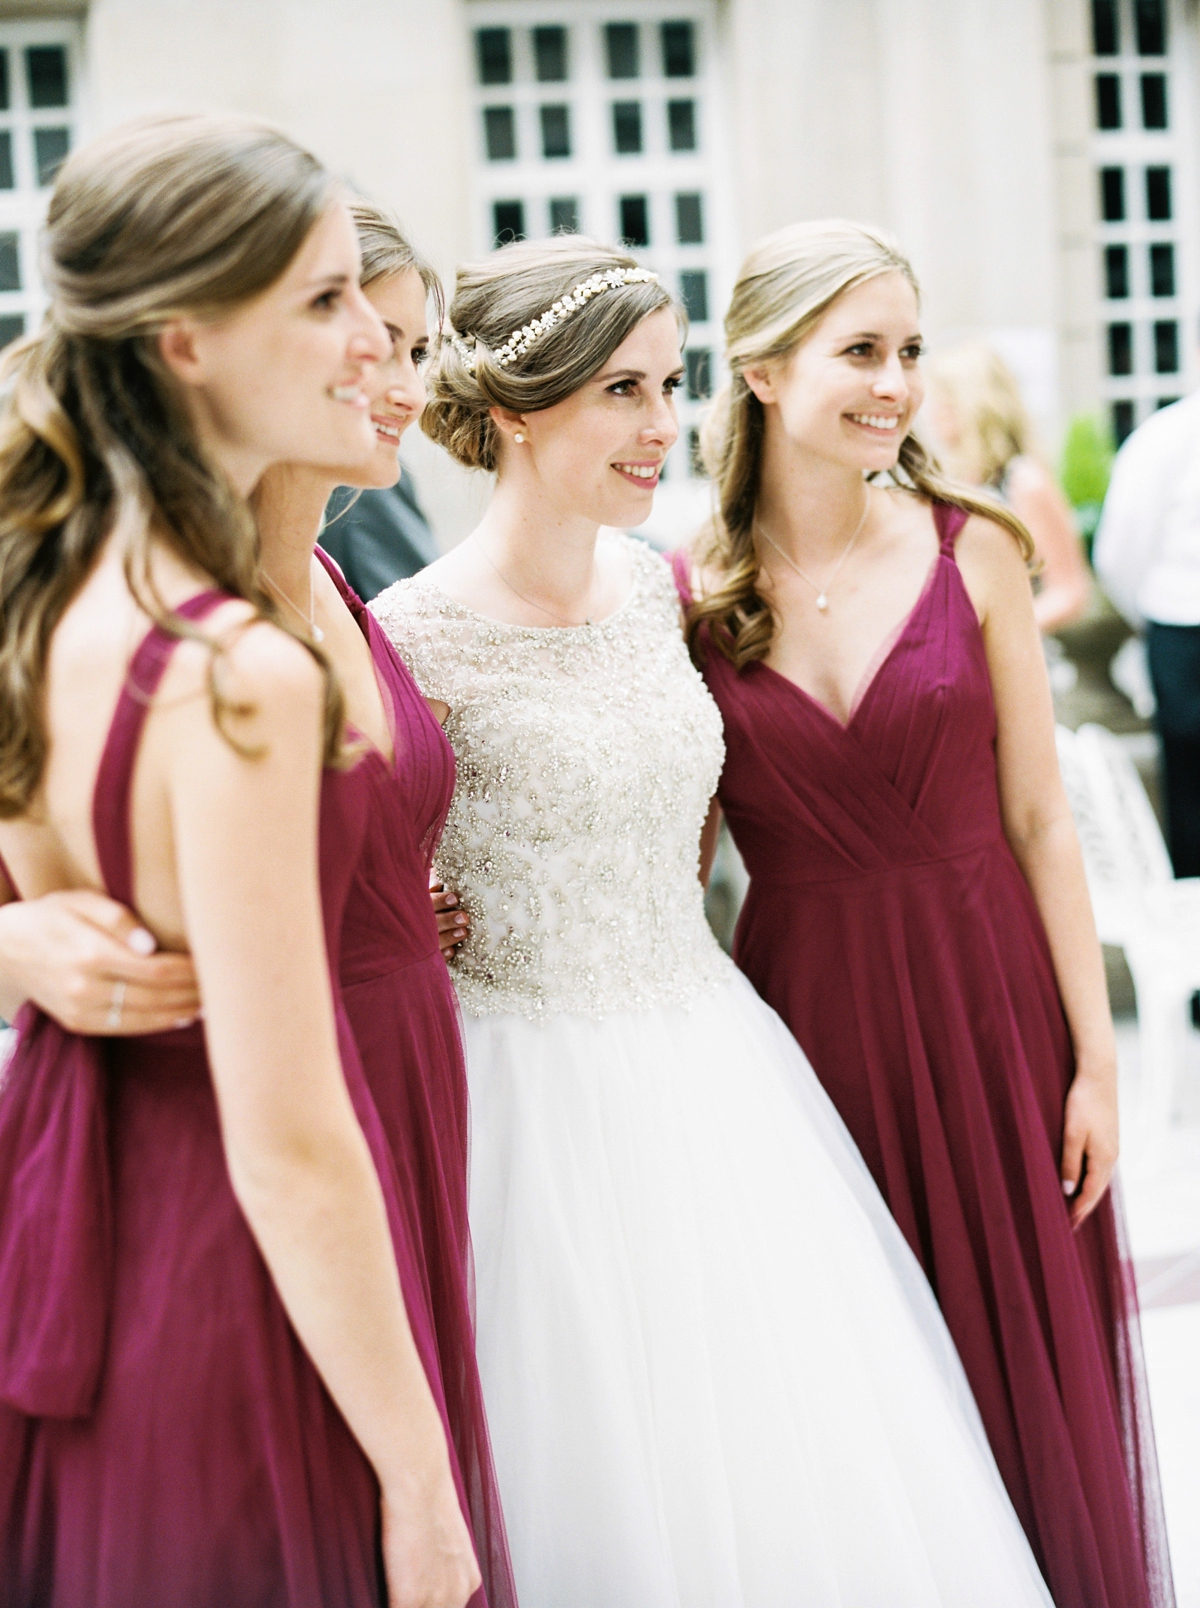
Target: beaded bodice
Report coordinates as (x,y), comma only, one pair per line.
(587,757)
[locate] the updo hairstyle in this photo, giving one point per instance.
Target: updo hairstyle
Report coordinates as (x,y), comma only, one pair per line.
(163,217)
(504,293)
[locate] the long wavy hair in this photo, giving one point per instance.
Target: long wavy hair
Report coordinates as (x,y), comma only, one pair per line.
(786,285)
(163,217)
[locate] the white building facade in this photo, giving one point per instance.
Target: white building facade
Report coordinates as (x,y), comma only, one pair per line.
(1037,158)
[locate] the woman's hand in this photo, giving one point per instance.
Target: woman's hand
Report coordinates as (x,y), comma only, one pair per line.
(453,923)
(427,1551)
(87,962)
(1089,1139)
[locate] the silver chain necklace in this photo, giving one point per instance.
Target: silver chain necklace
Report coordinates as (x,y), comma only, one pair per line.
(310,618)
(821,591)
(541,607)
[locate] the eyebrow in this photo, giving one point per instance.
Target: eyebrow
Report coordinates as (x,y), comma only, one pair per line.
(874,335)
(630,374)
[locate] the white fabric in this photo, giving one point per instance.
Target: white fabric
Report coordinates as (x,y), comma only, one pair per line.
(1147,549)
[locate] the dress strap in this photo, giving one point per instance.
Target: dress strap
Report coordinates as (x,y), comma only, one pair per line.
(948,521)
(114,778)
(334,570)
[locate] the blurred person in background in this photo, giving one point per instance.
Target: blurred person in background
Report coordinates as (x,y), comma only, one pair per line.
(378,536)
(1147,555)
(985,438)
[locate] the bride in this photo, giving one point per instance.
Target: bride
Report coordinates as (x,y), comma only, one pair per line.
(715,1376)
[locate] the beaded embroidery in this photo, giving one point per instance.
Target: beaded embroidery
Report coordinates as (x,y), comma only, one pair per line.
(587,757)
(519,342)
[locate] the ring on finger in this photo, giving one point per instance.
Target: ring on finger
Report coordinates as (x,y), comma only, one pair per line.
(113,1020)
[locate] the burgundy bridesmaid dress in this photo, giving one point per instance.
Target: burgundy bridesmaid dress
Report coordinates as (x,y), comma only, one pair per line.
(164,1438)
(890,926)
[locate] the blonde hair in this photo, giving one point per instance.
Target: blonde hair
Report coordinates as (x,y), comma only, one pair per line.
(987,402)
(786,285)
(506,292)
(162,217)
(387,250)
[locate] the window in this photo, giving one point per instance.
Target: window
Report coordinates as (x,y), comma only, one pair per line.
(1104,27)
(564,215)
(550,54)
(12,327)
(627,127)
(1120,348)
(1166,401)
(689,219)
(46,70)
(10,261)
(1116,272)
(6,161)
(693,292)
(493,53)
(635,220)
(1112,194)
(681,125)
(698,361)
(1162,270)
(1122,417)
(1154,100)
(1108,100)
(678,50)
(695,455)
(1150,23)
(1166,347)
(621,41)
(50,148)
(556,131)
(4,100)
(508,222)
(500,133)
(1158,194)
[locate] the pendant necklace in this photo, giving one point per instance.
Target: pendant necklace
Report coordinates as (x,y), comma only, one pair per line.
(821,591)
(540,607)
(310,618)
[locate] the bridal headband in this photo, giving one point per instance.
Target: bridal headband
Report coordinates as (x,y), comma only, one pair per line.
(519,342)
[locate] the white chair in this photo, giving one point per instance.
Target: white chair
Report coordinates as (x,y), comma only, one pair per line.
(1140,907)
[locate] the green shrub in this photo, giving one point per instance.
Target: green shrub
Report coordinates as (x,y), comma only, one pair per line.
(1086,464)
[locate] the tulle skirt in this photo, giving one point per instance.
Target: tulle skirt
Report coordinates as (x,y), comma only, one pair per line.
(715,1375)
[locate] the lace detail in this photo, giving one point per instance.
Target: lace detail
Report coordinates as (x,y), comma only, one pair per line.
(587,757)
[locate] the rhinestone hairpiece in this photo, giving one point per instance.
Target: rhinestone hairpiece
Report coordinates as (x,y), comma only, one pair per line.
(519,342)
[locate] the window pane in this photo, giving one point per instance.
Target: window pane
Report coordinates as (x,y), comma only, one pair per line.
(6,162)
(621,40)
(627,127)
(1120,348)
(50,147)
(635,220)
(1122,416)
(46,69)
(1108,100)
(681,125)
(500,133)
(556,131)
(493,52)
(695,456)
(1105,39)
(678,50)
(1112,194)
(1162,270)
(699,373)
(689,220)
(4,100)
(10,262)
(693,289)
(1166,348)
(1151,21)
(564,215)
(508,221)
(1166,401)
(1158,194)
(1116,272)
(550,54)
(1154,100)
(12,327)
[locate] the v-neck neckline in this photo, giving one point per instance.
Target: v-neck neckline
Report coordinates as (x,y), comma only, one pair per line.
(877,662)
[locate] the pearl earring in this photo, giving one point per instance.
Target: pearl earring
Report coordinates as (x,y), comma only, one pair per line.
(519,439)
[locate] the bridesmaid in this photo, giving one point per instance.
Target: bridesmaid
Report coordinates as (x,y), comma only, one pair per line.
(216,1376)
(917,911)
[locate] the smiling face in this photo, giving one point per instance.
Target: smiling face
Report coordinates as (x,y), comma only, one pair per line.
(395,388)
(598,454)
(851,389)
(311,339)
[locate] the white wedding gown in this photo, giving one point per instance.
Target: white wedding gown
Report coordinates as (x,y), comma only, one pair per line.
(715,1376)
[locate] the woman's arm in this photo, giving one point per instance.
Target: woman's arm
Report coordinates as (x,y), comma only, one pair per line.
(1038,824)
(245,832)
(1066,584)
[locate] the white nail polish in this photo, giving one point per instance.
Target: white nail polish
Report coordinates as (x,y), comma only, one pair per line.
(142,942)
(1068,1187)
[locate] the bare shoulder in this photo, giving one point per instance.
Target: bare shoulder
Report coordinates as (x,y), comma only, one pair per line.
(263,675)
(985,544)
